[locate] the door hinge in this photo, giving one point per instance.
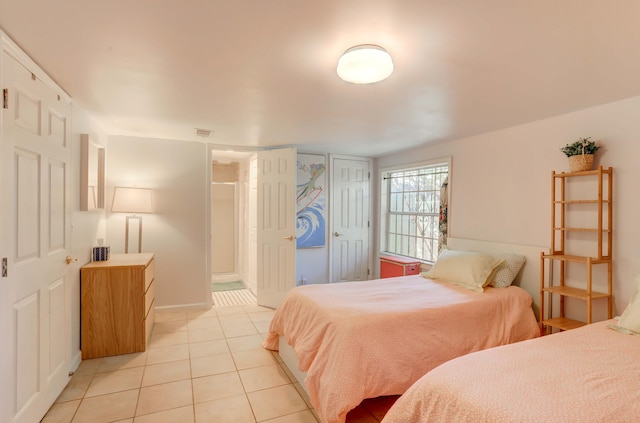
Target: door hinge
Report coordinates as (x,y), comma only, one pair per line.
(368,272)
(5,98)
(368,175)
(368,224)
(5,270)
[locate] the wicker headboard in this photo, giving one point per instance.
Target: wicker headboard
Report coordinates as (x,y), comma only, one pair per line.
(529,276)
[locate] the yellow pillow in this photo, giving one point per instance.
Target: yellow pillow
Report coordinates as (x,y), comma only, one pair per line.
(469,269)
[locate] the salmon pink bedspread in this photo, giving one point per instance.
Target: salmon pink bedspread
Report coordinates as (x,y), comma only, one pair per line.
(359,340)
(590,374)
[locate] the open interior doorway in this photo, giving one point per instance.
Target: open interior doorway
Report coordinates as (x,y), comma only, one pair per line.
(233,199)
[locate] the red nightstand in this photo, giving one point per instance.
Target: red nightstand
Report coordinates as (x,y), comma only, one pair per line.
(391,266)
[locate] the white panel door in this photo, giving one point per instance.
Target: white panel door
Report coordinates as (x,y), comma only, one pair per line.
(276,219)
(350,208)
(35,317)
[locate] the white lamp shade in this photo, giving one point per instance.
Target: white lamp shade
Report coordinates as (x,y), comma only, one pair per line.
(132,200)
(365,64)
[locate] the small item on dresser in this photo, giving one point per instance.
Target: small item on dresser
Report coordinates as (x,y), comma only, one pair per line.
(100,253)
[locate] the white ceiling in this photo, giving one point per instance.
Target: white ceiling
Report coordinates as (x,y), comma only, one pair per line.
(262,72)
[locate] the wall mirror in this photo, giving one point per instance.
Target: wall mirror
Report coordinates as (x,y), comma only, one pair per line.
(91,174)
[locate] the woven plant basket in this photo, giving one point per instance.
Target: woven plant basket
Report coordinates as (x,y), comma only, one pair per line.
(581,162)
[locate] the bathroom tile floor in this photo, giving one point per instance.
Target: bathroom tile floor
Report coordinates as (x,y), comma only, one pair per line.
(200,367)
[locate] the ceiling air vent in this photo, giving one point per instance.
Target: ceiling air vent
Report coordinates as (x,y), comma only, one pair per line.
(204,133)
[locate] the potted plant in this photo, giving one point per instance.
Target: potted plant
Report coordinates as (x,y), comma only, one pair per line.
(580,154)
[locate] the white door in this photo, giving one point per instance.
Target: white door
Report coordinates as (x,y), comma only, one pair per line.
(35,356)
(350,223)
(276,225)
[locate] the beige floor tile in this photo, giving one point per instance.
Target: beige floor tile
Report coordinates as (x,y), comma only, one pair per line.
(252,358)
(254,308)
(239,329)
(228,311)
(176,415)
(165,316)
(76,388)
(61,412)
(206,334)
(262,316)
(204,371)
(214,387)
(107,408)
(234,409)
(164,397)
(120,380)
(166,339)
(170,326)
(301,417)
(202,349)
(197,314)
(211,365)
(88,367)
(166,354)
(275,402)
(263,377)
(171,371)
(262,327)
(204,323)
(243,343)
(234,319)
(124,361)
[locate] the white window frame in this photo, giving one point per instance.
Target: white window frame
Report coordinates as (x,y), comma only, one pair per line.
(384,197)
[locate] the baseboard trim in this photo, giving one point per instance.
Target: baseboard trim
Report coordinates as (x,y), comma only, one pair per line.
(185,307)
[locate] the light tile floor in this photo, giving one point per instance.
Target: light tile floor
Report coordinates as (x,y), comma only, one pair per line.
(200,367)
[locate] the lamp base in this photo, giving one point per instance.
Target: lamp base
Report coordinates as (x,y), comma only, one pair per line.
(126,233)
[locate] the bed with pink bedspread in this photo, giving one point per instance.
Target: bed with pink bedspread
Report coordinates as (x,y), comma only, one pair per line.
(590,374)
(359,340)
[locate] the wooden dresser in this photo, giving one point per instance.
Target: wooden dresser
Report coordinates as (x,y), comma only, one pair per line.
(117,310)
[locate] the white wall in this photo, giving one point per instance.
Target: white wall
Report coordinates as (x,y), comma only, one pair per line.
(177,231)
(500,182)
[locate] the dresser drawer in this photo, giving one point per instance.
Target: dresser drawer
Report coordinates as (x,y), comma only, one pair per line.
(149,296)
(148,323)
(149,274)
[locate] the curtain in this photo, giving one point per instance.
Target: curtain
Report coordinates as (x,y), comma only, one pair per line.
(444,206)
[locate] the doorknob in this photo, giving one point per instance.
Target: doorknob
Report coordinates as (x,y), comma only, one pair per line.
(336,234)
(290,237)
(70,259)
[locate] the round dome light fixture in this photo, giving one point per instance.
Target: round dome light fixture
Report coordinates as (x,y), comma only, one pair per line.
(365,64)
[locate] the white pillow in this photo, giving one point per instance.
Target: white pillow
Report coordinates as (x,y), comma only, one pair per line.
(507,271)
(468,269)
(630,320)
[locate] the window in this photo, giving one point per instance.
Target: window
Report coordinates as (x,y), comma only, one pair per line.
(411,206)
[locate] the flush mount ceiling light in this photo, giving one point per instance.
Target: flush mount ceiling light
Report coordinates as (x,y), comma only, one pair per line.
(365,64)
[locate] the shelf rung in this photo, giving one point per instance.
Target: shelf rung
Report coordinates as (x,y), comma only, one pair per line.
(563,323)
(607,171)
(569,291)
(580,201)
(577,259)
(580,229)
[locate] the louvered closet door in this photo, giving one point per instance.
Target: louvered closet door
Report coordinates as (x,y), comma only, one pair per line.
(34,294)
